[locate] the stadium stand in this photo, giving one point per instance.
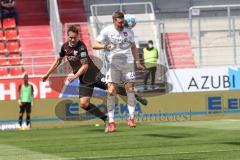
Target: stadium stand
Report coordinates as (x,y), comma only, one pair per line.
(179,50)
(1,35)
(2,48)
(4,72)
(9,23)
(3,60)
(35,34)
(13,47)
(11,35)
(72,11)
(16,71)
(9,46)
(14,59)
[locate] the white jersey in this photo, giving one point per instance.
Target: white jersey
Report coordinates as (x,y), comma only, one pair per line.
(121,42)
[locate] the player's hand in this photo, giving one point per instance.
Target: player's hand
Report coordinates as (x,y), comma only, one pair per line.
(140,66)
(19,103)
(109,46)
(45,77)
(71,78)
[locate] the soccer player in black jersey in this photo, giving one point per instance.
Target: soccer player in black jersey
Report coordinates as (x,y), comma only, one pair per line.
(83,68)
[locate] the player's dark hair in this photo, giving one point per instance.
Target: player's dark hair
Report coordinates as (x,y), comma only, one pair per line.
(73,29)
(117,14)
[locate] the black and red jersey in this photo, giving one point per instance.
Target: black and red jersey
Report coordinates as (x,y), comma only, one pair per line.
(77,56)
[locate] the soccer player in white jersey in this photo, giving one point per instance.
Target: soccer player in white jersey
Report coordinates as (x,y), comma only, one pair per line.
(120,41)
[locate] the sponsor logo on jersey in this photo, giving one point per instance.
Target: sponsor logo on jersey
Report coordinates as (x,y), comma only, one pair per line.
(75,52)
(83,54)
(82,49)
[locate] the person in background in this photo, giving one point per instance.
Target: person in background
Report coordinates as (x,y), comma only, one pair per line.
(8,9)
(25,101)
(150,57)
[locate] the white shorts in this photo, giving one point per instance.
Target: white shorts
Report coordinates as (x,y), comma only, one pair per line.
(120,73)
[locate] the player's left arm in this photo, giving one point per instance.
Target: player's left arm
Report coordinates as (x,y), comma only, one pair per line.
(32,94)
(82,70)
(136,56)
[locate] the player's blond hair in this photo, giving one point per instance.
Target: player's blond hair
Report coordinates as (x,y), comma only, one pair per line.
(117,14)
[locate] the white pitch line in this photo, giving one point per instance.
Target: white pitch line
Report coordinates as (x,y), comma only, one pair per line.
(16,153)
(122,156)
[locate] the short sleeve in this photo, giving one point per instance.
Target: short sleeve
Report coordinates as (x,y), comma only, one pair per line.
(102,37)
(62,52)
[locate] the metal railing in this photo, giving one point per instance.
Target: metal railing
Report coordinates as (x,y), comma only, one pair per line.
(55,24)
(208,27)
(196,11)
(30,64)
(123,7)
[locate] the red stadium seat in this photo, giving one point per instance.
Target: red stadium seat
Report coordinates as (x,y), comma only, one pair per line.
(1,35)
(3,60)
(9,23)
(4,72)
(14,59)
(11,35)
(13,47)
(2,48)
(16,71)
(0,24)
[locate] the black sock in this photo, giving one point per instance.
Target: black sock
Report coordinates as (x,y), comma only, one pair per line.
(91,108)
(20,120)
(28,121)
(141,100)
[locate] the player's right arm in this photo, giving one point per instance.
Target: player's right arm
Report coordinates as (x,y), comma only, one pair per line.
(100,42)
(97,45)
(54,65)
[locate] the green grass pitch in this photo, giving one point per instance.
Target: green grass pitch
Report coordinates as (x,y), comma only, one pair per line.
(195,140)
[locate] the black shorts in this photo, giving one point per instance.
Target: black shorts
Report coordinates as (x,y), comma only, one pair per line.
(25,107)
(86,89)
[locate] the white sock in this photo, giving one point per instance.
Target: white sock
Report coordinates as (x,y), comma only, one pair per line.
(131,110)
(111,107)
(111,116)
(131,104)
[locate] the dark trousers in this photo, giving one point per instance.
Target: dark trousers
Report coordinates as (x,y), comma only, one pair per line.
(152,71)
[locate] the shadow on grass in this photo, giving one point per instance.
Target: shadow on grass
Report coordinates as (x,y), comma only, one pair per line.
(101,130)
(168,136)
(232,143)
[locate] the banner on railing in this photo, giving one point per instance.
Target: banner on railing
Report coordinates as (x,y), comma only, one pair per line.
(55,87)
